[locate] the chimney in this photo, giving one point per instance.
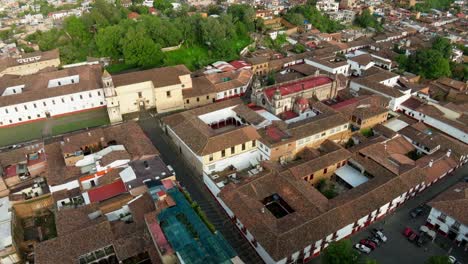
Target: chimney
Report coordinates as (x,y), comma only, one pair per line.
(430,163)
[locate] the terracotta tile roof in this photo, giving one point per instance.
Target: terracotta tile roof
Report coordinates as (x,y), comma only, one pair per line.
(363,59)
(160,77)
(248,114)
(69,247)
(200,86)
(453,202)
(105,192)
(128,134)
(314,165)
(451,83)
(44,56)
(315,217)
(35,85)
(296,86)
(200,137)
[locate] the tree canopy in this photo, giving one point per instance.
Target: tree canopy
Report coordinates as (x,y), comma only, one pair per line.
(430,63)
(318,20)
(105,31)
(366,19)
(340,252)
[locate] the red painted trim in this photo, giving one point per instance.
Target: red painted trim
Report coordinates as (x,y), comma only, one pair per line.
(44,118)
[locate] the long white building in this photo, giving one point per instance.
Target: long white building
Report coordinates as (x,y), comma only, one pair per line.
(48,94)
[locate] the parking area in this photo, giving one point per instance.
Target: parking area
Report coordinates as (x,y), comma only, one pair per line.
(398,247)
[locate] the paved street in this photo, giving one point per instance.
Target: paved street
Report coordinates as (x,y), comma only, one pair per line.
(198,191)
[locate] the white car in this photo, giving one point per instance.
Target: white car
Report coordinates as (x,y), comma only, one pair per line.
(452,259)
(380,235)
(362,248)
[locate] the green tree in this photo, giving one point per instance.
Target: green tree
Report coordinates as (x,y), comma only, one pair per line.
(296,19)
(108,41)
(340,252)
(366,19)
(438,260)
(140,50)
(244,14)
(76,30)
(443,46)
(214,10)
(429,64)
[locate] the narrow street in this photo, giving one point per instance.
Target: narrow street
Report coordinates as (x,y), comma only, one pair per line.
(198,191)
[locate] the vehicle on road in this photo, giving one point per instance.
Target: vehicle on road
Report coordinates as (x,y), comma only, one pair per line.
(410,234)
(452,259)
(362,248)
(417,211)
(368,243)
(379,234)
(375,240)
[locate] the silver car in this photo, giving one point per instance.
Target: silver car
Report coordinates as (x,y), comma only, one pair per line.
(362,248)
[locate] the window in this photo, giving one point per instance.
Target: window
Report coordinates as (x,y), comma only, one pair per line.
(188,101)
(223,153)
(323,134)
(19,119)
(254,143)
(102,103)
(140,95)
(73,81)
(81,96)
(198,99)
(90,95)
(168,93)
(29,117)
(53,102)
(243,146)
(11,121)
(63,100)
(34,104)
(210,157)
(25,107)
(442,217)
(233,150)
(59,83)
(6,110)
(38,115)
(207,97)
(99,93)
(16,109)
(71,98)
(325,170)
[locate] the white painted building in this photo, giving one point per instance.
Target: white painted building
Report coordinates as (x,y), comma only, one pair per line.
(330,65)
(448,214)
(214,137)
(443,118)
(50,94)
(327,5)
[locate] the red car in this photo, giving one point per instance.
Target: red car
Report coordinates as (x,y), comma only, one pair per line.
(410,234)
(368,244)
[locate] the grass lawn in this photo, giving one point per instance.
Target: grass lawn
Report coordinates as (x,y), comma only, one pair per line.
(58,125)
(79,121)
(21,133)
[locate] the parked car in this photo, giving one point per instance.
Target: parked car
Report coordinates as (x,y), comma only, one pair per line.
(422,240)
(452,259)
(375,240)
(410,234)
(378,234)
(368,243)
(416,212)
(362,248)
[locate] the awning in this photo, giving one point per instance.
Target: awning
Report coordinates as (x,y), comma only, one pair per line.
(351,176)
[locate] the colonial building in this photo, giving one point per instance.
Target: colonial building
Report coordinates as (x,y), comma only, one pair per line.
(282,97)
(214,137)
(448,214)
(49,94)
(158,88)
(29,63)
